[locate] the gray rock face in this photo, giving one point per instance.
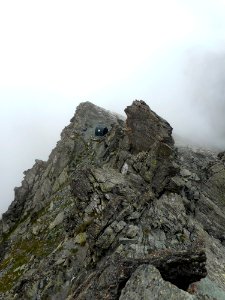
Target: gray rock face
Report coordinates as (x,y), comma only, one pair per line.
(147,283)
(145,128)
(124,216)
(111,275)
(88,116)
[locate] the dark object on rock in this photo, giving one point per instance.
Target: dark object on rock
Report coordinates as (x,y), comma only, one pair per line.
(100,130)
(182,267)
(221,155)
(178,267)
(146,283)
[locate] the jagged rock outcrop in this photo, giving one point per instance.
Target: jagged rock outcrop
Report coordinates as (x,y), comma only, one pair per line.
(147,283)
(145,128)
(124,216)
(108,280)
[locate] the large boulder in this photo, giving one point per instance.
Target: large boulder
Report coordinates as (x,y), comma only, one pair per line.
(144,127)
(147,283)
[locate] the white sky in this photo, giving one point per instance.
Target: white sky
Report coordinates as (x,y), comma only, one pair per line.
(56,54)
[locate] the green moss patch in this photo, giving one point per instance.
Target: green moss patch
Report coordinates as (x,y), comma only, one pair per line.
(14,265)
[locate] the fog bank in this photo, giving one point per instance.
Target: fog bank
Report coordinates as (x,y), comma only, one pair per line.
(56,54)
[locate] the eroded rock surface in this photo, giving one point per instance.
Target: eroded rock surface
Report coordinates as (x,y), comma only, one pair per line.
(124,216)
(145,128)
(147,283)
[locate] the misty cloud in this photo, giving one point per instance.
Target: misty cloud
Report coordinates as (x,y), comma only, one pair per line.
(164,52)
(205,86)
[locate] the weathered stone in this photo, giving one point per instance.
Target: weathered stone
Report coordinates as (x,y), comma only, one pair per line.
(36,229)
(115,273)
(132,231)
(58,220)
(124,169)
(185,173)
(147,283)
(81,238)
(81,187)
(144,127)
(208,288)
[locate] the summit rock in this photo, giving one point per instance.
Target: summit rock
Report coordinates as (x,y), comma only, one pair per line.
(145,127)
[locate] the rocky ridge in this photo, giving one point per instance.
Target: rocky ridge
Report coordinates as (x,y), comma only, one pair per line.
(124,216)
